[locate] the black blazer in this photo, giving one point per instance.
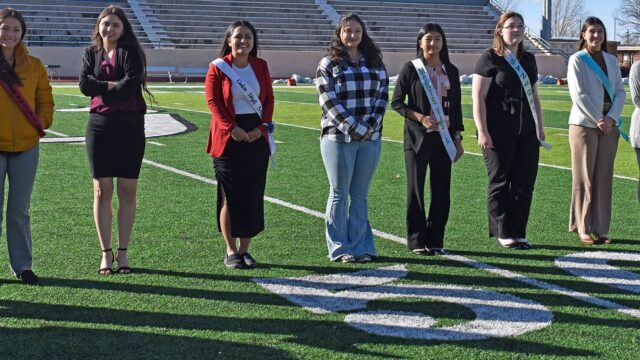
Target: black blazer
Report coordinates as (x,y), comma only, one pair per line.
(408,84)
(128,69)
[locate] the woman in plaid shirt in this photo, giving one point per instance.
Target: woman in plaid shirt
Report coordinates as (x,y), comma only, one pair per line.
(353,89)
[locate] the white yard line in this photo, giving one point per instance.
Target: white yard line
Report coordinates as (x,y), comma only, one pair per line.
(468,261)
(384,139)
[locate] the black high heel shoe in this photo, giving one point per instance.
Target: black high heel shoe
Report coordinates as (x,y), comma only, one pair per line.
(107,270)
(123,269)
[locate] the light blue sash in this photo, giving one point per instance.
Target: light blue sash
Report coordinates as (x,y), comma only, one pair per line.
(606,83)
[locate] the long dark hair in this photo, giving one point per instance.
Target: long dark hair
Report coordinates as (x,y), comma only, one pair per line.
(367,46)
(225,49)
(127,40)
(498,42)
(444,51)
(7,73)
(590,21)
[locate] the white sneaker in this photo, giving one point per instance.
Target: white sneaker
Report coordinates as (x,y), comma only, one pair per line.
(507,242)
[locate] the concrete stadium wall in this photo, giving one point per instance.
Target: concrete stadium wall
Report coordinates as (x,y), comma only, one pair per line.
(282,64)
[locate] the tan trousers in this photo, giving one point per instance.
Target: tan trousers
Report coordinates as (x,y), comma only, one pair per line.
(592,156)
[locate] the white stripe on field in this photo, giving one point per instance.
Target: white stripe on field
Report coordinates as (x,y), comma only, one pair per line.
(468,261)
(55,133)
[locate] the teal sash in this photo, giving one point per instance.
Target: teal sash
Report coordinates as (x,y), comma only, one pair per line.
(528,90)
(606,83)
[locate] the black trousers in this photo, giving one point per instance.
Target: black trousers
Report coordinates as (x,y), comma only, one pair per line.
(427,232)
(512,166)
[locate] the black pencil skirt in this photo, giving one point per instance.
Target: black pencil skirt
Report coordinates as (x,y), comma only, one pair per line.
(241,172)
(115,144)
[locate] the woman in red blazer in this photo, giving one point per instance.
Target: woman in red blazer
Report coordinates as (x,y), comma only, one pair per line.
(239,141)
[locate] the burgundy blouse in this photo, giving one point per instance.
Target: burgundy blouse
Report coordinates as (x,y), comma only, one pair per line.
(131,104)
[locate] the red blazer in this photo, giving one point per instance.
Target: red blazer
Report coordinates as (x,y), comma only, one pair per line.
(220,101)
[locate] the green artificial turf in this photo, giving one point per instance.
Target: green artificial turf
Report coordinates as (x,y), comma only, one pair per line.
(181,302)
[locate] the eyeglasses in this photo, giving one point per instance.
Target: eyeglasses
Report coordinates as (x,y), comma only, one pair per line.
(514,27)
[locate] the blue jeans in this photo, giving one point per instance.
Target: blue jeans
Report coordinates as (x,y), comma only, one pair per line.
(21,170)
(350,167)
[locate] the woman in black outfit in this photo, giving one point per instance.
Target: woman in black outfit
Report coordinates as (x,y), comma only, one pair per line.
(507,131)
(113,74)
(423,146)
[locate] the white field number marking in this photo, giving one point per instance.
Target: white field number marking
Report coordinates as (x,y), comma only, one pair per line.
(593,267)
(584,297)
(497,314)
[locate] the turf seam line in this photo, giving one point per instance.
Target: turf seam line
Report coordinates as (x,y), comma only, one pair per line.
(459,258)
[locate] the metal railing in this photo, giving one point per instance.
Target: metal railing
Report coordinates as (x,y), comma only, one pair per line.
(542,44)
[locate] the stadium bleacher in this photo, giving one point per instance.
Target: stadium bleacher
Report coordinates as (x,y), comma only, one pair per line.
(395,25)
(66,22)
(281,24)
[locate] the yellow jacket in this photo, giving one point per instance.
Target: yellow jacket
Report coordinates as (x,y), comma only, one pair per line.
(16,133)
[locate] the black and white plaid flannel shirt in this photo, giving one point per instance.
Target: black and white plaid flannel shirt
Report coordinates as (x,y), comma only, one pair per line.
(353,99)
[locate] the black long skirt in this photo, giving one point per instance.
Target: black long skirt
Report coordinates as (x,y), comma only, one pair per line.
(241,172)
(115,144)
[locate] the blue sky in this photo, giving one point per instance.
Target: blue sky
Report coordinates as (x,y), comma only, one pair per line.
(532,11)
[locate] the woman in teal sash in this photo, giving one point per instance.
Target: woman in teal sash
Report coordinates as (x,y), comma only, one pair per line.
(423,146)
(509,133)
(598,95)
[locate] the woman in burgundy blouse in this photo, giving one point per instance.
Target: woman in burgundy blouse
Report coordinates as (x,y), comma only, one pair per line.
(113,75)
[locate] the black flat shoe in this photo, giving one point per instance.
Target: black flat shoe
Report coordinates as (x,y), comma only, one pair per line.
(524,244)
(233,261)
(435,251)
(248,260)
(28,277)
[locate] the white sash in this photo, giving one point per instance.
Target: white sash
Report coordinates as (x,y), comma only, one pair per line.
(528,90)
(436,106)
(248,93)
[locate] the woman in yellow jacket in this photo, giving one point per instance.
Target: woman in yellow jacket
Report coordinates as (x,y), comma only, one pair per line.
(27,108)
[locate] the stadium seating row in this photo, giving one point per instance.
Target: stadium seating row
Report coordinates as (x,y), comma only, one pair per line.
(282,24)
